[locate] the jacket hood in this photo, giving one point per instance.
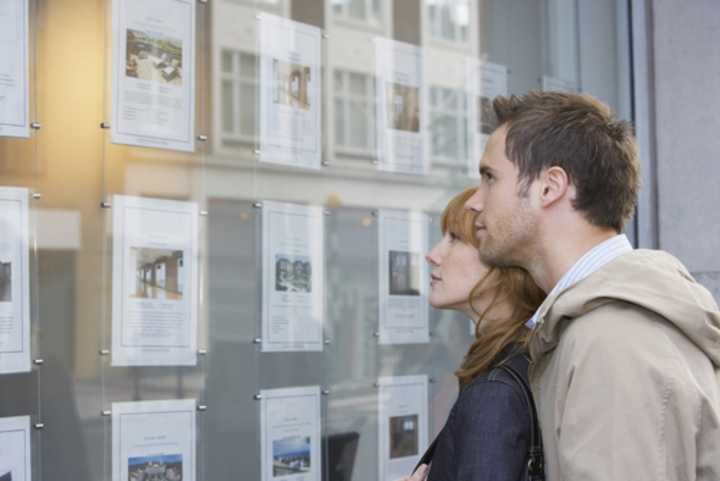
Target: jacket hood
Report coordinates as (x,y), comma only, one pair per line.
(652,280)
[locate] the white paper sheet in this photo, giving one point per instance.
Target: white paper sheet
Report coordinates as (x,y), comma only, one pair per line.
(14,281)
(14,70)
(153,72)
(290,427)
(554,84)
(290,99)
(293,277)
(402,424)
(15,453)
(402,108)
(154,440)
(404,277)
(485,82)
(155,282)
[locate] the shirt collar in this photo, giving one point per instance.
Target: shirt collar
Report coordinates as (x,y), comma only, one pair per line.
(588,264)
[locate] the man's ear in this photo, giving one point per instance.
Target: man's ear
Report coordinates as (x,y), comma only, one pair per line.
(554,184)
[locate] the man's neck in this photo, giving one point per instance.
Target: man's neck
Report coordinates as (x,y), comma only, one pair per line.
(557,254)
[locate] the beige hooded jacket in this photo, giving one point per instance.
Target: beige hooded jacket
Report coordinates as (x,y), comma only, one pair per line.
(626,374)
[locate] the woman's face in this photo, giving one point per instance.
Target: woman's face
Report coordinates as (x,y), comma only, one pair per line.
(455,268)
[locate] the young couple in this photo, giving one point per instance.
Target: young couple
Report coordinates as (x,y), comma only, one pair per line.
(624,350)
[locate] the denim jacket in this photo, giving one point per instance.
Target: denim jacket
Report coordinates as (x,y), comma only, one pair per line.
(487,434)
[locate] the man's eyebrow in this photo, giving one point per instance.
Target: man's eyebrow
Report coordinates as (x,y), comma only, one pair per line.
(484,169)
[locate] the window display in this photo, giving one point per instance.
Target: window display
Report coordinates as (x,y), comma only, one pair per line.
(402,424)
(14,281)
(290,99)
(154,440)
(153,72)
(293,277)
(14,69)
(290,434)
(403,277)
(143,263)
(154,282)
(402,107)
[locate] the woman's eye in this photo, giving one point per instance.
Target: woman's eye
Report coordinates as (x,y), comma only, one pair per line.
(453,237)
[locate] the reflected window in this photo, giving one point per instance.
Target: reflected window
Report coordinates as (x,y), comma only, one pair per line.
(448,20)
(239,90)
(448,125)
(272,6)
(355,106)
(363,11)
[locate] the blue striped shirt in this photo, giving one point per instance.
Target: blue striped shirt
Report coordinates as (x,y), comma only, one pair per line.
(589,263)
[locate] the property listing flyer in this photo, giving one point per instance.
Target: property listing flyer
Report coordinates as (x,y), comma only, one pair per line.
(402,424)
(154,440)
(14,68)
(155,282)
(15,454)
(14,281)
(290,100)
(153,73)
(293,277)
(403,283)
(290,430)
(485,82)
(402,108)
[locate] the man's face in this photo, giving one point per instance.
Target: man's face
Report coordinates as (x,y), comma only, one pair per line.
(506,222)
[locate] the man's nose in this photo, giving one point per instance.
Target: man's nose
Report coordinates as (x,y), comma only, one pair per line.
(474,203)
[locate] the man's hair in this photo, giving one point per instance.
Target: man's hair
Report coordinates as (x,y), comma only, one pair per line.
(579,134)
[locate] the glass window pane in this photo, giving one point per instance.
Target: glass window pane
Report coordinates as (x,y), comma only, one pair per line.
(227,61)
(339,81)
(358,84)
(248,65)
(228,106)
(248,94)
(357,9)
(358,125)
(446,23)
(339,122)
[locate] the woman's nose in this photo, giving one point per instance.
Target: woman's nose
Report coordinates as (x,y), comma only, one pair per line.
(432,257)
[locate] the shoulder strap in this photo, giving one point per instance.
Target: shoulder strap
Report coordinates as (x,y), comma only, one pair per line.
(536,459)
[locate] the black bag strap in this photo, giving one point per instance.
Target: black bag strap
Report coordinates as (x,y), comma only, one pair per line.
(536,458)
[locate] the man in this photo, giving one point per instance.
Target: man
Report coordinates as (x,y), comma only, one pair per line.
(626,347)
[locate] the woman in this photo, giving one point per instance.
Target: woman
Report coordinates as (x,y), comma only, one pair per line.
(486,436)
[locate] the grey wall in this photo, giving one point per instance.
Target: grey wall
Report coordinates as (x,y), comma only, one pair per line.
(686,40)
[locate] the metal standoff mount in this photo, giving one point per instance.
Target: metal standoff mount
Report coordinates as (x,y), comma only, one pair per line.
(202,137)
(257,340)
(257,152)
(202,407)
(106,412)
(105,204)
(39,362)
(325,392)
(202,352)
(257,205)
(257,397)
(36,195)
(327,341)
(39,426)
(104,352)
(35,125)
(105,125)
(325,163)
(203,213)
